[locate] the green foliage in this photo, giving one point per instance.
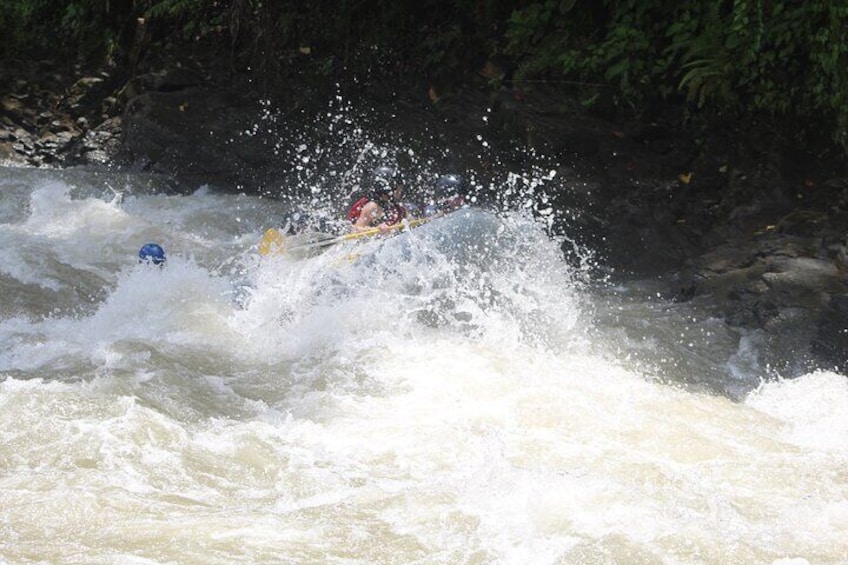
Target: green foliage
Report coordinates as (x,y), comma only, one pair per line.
(190,17)
(739,57)
(79,26)
(438,50)
(783,59)
(544,35)
(729,57)
(18,20)
(172,8)
(613,43)
(537,21)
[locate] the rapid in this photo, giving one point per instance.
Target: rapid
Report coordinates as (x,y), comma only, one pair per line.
(459,393)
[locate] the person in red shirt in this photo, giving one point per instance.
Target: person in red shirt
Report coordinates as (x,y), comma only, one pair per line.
(380,207)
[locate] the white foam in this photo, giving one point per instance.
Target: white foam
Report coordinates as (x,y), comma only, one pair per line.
(431,399)
(812,410)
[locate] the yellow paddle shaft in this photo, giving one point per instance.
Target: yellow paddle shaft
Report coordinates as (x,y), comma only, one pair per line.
(273,242)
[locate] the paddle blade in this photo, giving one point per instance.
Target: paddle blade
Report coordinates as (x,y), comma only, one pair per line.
(302,245)
(272,242)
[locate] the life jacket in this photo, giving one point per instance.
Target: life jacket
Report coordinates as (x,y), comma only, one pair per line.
(356,209)
(392,212)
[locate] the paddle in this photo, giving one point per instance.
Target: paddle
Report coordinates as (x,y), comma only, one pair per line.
(273,242)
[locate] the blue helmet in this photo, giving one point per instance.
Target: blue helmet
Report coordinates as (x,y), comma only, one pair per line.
(152,253)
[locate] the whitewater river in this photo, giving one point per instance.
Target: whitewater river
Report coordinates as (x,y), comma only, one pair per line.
(457,394)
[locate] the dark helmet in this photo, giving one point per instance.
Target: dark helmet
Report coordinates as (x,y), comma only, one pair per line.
(449,185)
(151,253)
(448,195)
(384,180)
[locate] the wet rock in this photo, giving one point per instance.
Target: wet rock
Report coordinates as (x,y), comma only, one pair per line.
(778,285)
(804,281)
(65,137)
(99,145)
(43,118)
(85,92)
(802,223)
(10,157)
(12,105)
(830,342)
(837,248)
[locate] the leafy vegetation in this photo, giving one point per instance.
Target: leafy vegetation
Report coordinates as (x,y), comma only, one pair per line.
(740,57)
(719,57)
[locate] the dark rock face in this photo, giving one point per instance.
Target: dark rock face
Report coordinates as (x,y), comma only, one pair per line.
(741,231)
(830,341)
(792,287)
(192,134)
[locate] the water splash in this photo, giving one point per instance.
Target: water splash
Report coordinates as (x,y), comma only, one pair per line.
(456,393)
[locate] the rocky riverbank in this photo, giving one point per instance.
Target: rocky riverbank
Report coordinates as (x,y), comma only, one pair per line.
(745,225)
(56,117)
